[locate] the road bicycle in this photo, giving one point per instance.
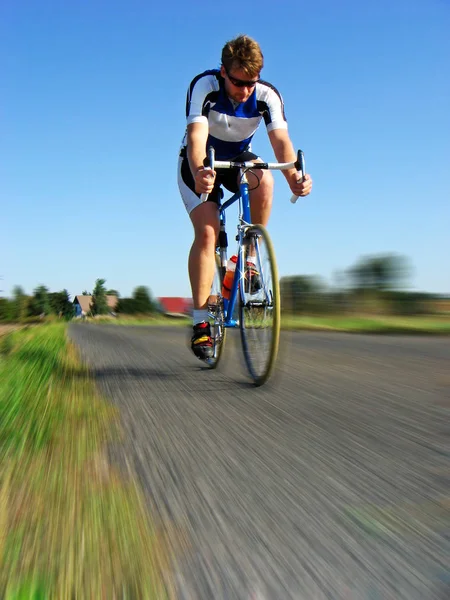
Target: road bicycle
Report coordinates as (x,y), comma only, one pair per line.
(255,293)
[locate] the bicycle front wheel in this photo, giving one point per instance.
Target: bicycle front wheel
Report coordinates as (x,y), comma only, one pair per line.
(259,308)
(216,317)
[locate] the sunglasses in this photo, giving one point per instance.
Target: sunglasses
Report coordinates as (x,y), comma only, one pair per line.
(241,82)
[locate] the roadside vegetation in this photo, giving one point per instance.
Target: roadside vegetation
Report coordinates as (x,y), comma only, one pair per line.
(381,324)
(369,324)
(372,296)
(71,526)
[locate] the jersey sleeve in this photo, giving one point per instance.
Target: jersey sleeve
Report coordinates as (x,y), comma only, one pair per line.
(273,108)
(198,91)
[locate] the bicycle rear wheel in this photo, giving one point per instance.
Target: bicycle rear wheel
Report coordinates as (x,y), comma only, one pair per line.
(259,308)
(216,317)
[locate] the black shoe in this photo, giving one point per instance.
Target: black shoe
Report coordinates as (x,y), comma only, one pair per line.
(252,283)
(201,342)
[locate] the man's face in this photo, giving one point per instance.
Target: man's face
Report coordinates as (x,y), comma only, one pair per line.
(234,77)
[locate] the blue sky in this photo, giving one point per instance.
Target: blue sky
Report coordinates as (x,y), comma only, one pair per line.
(92,116)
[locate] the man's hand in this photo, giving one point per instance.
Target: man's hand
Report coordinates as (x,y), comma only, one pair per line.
(302,187)
(204,180)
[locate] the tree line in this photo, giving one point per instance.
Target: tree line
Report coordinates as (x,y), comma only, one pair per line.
(43,303)
(141,301)
(374,284)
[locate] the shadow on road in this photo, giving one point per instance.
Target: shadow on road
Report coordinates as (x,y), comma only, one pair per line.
(206,381)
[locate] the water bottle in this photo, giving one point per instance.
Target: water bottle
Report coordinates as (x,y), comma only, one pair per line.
(229,276)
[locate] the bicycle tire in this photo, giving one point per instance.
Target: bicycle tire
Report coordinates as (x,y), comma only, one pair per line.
(216,315)
(259,308)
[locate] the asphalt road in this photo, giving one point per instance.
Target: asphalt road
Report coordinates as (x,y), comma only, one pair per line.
(332,482)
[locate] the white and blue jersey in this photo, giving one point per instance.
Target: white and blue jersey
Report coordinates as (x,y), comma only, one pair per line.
(231,125)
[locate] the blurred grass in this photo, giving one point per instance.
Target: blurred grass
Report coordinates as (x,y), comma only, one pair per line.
(157,320)
(372,324)
(70,526)
(344,323)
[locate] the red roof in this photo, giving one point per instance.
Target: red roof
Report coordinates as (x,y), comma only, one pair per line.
(176,305)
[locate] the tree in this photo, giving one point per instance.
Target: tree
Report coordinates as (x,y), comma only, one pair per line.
(380,272)
(20,303)
(126,306)
(99,301)
(85,293)
(39,304)
(61,305)
(140,303)
(142,300)
(7,310)
(113,293)
(302,293)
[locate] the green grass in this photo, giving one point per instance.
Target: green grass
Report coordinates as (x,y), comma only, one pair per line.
(70,526)
(157,320)
(338,323)
(364,324)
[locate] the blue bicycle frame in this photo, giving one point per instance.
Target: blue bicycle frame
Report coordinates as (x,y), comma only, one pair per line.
(244,220)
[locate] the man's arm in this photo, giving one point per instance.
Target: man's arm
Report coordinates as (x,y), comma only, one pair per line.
(284,152)
(197,136)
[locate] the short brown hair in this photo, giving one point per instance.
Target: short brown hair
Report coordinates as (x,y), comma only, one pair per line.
(243,53)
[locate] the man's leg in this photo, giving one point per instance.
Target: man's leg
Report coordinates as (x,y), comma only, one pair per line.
(205,219)
(261,196)
(201,264)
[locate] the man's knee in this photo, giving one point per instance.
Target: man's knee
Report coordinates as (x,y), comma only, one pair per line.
(262,180)
(206,236)
(267,180)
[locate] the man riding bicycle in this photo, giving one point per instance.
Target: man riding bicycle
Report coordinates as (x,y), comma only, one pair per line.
(224,108)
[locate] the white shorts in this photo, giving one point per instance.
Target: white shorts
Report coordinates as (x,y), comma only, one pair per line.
(224,177)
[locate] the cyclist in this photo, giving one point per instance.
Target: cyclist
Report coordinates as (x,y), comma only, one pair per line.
(224,108)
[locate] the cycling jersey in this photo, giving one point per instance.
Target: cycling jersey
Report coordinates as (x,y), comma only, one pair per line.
(232,125)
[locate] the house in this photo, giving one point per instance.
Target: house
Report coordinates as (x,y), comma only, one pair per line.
(83,304)
(176,307)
